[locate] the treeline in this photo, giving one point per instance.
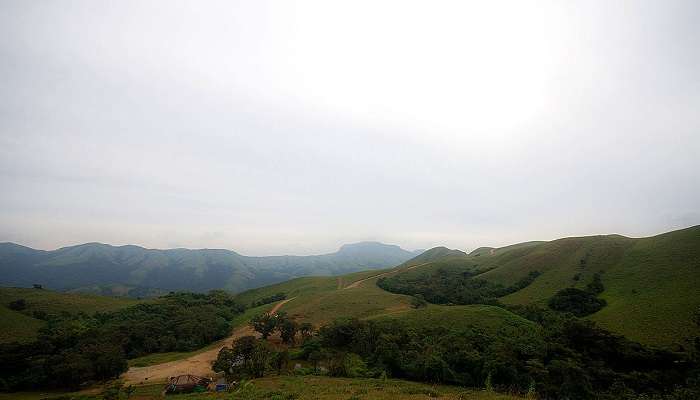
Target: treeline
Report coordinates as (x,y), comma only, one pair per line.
(250,357)
(445,286)
(269,299)
(72,350)
(568,358)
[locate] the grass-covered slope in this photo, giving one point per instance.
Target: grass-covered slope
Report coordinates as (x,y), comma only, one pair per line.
(17,327)
(490,319)
(320,300)
(22,326)
(651,284)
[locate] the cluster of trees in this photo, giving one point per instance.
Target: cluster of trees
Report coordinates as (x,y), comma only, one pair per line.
(269,299)
(252,358)
(568,358)
(249,357)
(455,286)
(580,302)
(266,324)
(71,350)
(565,357)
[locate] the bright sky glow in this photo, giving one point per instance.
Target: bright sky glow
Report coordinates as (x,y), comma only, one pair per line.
(294,127)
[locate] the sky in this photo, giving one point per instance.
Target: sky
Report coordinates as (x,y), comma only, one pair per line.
(294,127)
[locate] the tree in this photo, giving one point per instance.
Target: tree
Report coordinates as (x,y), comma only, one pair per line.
(237,360)
(261,358)
(596,286)
(288,330)
(576,301)
(225,362)
(312,351)
(281,360)
(307,330)
(264,324)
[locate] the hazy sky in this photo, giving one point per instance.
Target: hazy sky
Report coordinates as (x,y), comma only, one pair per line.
(294,127)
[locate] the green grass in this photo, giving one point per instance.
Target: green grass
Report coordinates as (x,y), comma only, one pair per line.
(489,318)
(651,284)
(318,300)
(22,327)
(302,387)
(326,388)
(17,327)
(654,290)
(56,302)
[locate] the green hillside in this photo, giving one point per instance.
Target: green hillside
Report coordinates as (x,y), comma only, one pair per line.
(320,300)
(17,327)
(489,318)
(650,283)
(23,325)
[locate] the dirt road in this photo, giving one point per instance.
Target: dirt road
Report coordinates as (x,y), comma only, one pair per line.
(358,283)
(198,364)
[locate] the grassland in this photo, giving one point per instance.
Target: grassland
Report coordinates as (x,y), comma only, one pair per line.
(320,300)
(23,327)
(489,318)
(651,284)
(17,327)
(301,387)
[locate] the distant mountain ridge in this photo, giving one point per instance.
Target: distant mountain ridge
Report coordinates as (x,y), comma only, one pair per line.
(98,267)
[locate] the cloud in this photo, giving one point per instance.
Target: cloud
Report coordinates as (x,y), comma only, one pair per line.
(276,127)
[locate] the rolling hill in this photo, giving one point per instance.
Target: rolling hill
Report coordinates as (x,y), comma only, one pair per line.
(135,271)
(22,326)
(650,284)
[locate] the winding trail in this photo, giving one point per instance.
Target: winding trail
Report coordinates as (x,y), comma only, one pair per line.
(198,364)
(358,283)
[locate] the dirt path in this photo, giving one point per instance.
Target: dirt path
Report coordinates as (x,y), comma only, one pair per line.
(198,364)
(358,283)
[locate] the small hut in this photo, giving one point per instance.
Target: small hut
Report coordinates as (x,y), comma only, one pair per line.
(186,384)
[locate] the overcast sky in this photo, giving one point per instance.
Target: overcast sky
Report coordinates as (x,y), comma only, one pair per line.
(294,127)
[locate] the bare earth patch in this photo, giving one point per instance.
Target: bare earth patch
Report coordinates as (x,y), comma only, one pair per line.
(198,364)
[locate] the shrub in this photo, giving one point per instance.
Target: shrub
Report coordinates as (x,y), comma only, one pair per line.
(576,301)
(18,305)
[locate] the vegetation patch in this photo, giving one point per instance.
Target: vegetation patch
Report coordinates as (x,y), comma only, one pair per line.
(454,286)
(72,350)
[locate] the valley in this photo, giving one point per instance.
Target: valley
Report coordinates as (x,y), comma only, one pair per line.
(648,286)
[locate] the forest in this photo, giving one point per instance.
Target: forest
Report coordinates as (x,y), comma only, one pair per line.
(72,350)
(449,285)
(567,358)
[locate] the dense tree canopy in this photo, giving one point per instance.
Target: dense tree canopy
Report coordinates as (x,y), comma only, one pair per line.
(72,350)
(447,285)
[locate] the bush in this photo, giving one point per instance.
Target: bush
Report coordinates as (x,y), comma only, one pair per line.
(18,305)
(454,286)
(576,301)
(75,349)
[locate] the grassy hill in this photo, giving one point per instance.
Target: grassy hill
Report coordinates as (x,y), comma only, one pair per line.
(488,318)
(22,325)
(650,283)
(320,300)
